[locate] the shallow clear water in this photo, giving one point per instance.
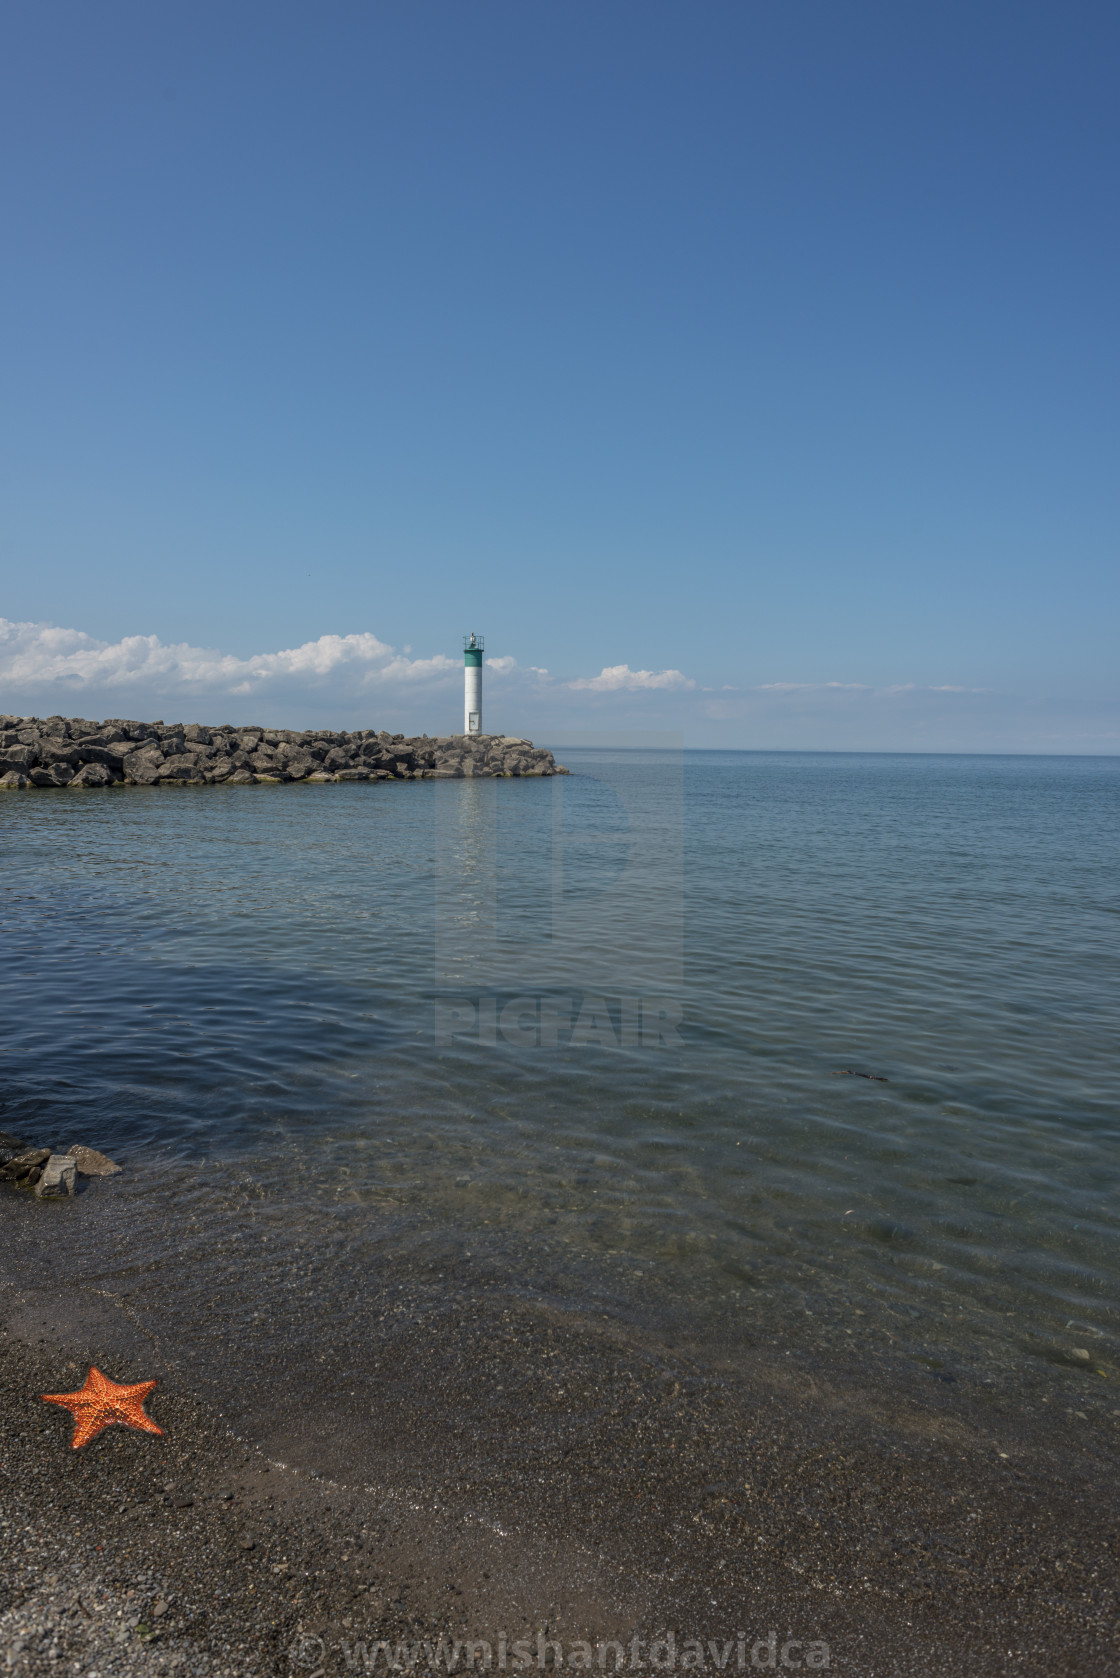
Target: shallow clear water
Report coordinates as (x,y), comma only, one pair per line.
(844,1051)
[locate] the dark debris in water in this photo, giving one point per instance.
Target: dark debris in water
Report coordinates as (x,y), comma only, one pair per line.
(883,1229)
(874,1077)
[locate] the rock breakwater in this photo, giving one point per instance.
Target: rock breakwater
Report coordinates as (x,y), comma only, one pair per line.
(75,752)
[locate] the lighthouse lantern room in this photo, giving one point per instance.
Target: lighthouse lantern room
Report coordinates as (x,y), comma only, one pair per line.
(472,683)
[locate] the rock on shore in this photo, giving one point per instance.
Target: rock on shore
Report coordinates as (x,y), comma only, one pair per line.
(49,1171)
(75,752)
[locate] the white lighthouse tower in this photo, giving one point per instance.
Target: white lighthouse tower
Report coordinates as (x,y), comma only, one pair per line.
(472,683)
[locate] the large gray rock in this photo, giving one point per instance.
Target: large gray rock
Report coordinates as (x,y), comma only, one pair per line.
(113,755)
(57,749)
(21,1166)
(59,1177)
(52,775)
(143,768)
(90,1163)
(12,778)
(98,739)
(92,775)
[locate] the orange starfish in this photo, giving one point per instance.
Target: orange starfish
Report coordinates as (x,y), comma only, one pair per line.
(101,1403)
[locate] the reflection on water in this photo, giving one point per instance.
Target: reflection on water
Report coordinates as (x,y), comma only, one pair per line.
(891,1112)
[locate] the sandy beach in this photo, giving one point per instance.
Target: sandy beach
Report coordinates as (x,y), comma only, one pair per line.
(629,1491)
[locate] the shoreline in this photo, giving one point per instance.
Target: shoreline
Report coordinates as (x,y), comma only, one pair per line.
(657,1494)
(77,752)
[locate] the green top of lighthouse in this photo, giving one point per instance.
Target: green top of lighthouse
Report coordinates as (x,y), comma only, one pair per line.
(472,648)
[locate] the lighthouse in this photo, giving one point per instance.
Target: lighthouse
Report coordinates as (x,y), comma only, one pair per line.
(472,683)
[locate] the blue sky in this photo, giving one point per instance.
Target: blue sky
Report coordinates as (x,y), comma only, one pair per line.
(773,346)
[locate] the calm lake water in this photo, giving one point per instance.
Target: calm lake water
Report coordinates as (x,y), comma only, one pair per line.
(736,1045)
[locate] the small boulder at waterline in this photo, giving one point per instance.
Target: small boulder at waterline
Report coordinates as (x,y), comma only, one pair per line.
(25,1167)
(90,1163)
(59,1176)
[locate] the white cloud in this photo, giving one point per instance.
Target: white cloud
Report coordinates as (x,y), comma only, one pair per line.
(46,668)
(509,667)
(359,680)
(616,678)
(810,687)
(37,656)
(859,687)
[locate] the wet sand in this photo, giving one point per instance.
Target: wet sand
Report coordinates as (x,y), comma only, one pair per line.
(535,1475)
